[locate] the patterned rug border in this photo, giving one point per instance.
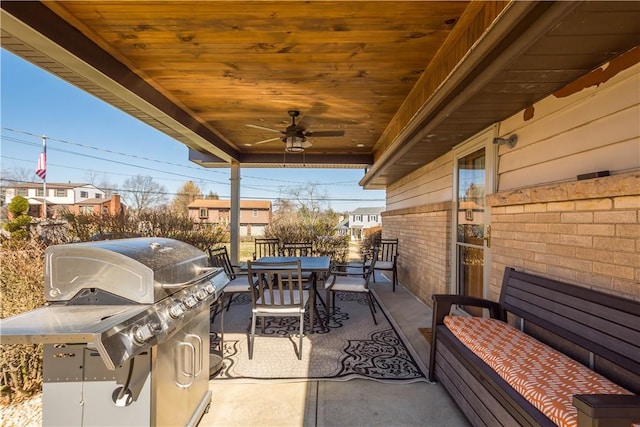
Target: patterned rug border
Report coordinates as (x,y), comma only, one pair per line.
(417,361)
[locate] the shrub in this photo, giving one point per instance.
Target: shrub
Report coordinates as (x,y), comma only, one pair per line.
(86,227)
(370,240)
(21,285)
(18,206)
(19,225)
(336,247)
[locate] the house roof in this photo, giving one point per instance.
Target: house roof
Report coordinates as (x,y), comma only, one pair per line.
(93,201)
(343,224)
(226,204)
(67,185)
(367,211)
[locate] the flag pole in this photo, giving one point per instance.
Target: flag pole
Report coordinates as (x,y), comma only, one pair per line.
(44,179)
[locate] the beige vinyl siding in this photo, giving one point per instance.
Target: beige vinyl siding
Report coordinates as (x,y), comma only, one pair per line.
(595,129)
(428,185)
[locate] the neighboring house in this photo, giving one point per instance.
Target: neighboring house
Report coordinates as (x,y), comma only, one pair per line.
(76,197)
(361,219)
(255,215)
(342,229)
(111,206)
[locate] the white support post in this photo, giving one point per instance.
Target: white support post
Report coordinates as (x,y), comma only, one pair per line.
(235,213)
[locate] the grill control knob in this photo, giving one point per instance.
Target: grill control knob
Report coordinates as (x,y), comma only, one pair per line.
(190,301)
(142,333)
(210,288)
(176,311)
(201,294)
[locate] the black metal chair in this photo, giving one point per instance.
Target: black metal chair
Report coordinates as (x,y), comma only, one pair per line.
(296,249)
(239,282)
(350,278)
(279,292)
(266,247)
(386,259)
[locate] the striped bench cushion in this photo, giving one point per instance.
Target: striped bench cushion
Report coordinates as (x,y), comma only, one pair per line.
(545,377)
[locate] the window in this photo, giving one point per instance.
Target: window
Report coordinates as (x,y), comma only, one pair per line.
(373,218)
(358,218)
(255,213)
(86,210)
(204,213)
(40,192)
(84,194)
(22,192)
(61,192)
(98,196)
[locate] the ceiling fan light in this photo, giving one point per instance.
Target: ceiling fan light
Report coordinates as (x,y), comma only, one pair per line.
(293,144)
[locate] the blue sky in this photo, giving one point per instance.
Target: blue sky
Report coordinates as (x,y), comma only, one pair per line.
(87,137)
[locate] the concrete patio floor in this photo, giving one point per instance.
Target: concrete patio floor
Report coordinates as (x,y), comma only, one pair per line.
(344,403)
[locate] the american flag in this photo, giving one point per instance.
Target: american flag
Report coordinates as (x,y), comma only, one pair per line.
(41,169)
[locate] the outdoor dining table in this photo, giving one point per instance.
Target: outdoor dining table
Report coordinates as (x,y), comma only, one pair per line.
(308,264)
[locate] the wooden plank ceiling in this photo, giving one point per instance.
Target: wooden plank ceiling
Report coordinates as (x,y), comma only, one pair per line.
(375,71)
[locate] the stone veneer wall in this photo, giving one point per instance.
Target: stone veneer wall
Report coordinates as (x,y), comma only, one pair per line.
(424,246)
(582,232)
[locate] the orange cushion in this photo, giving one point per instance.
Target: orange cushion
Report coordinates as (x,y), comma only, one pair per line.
(545,377)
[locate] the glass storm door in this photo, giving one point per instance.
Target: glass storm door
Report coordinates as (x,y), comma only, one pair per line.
(472,224)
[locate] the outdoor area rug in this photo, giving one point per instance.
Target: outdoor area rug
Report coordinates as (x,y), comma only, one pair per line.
(351,347)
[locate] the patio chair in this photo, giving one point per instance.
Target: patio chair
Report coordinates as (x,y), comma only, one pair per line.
(238,281)
(279,292)
(266,247)
(296,249)
(386,259)
(349,278)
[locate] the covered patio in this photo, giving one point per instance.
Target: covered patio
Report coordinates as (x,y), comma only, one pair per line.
(530,110)
(387,87)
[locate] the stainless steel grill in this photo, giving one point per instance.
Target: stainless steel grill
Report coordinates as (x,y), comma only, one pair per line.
(126,332)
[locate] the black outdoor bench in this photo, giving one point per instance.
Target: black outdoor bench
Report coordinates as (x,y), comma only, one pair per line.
(599,330)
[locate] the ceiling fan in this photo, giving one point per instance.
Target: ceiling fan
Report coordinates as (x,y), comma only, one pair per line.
(295,135)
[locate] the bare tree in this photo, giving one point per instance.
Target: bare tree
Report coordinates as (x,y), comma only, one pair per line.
(310,200)
(186,194)
(142,193)
(101,181)
(16,175)
(305,215)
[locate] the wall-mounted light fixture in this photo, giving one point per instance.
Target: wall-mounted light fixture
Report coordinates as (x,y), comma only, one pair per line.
(511,141)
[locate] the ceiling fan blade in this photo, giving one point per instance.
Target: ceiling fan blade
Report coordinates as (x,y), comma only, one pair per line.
(319,133)
(305,122)
(265,141)
(263,128)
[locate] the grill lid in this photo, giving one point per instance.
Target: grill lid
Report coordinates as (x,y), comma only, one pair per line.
(142,270)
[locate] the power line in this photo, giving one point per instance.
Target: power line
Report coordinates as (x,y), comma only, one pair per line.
(118,162)
(265,188)
(138,157)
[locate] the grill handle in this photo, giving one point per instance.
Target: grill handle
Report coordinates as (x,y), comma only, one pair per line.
(183,362)
(209,272)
